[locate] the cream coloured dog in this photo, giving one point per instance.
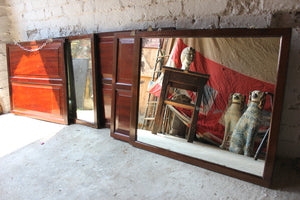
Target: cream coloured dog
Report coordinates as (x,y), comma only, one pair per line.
(242,139)
(236,104)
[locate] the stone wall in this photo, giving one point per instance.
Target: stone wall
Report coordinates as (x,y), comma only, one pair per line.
(41,19)
(4,37)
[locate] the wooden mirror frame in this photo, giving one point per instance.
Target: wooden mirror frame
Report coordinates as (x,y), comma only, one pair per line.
(97,118)
(284,34)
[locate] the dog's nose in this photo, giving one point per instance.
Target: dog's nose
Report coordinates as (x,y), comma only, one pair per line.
(255,95)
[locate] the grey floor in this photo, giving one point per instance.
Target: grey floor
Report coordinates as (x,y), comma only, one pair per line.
(41,160)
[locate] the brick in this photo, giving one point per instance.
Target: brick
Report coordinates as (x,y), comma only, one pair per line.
(243,7)
(16,5)
(33,15)
(89,6)
(54,3)
(133,3)
(205,22)
(156,12)
(4,81)
(105,6)
(133,14)
(127,19)
(285,19)
(57,11)
(279,5)
(164,23)
(36,4)
(4,99)
(75,9)
(245,21)
(202,8)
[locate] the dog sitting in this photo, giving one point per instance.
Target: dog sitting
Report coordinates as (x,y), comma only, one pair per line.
(236,104)
(242,139)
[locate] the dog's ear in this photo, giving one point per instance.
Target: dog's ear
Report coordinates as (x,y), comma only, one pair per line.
(249,99)
(243,101)
(262,101)
(230,100)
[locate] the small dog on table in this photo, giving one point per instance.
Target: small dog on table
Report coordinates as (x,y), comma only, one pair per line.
(236,104)
(242,139)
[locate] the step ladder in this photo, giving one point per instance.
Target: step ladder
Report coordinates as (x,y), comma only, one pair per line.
(152,100)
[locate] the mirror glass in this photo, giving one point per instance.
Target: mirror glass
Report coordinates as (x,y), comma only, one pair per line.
(236,105)
(83,79)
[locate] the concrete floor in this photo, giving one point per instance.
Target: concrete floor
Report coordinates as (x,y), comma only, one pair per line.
(78,162)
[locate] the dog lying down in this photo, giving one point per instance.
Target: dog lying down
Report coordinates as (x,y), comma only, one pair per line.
(242,139)
(233,113)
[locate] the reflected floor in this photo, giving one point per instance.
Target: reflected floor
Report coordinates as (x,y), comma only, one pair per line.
(203,151)
(86,115)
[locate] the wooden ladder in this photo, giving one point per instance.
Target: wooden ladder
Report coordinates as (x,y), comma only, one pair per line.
(152,100)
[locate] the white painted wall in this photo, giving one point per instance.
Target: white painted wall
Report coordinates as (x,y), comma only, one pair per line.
(40,19)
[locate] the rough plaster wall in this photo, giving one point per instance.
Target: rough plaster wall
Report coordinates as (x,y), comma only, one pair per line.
(41,19)
(4,37)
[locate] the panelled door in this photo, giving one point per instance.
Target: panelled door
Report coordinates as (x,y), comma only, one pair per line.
(37,80)
(121,85)
(105,56)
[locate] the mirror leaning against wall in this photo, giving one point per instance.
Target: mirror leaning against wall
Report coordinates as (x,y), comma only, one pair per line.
(82,81)
(211,96)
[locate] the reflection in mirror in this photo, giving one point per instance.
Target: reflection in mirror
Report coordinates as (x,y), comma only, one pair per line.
(234,114)
(83,78)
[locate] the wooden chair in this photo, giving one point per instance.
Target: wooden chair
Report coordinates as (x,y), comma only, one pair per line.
(180,79)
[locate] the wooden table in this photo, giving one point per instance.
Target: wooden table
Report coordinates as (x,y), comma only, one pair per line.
(180,79)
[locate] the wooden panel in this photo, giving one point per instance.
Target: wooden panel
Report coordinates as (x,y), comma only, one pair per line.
(125,60)
(121,82)
(122,119)
(107,97)
(106,65)
(43,63)
(37,81)
(40,98)
(106,56)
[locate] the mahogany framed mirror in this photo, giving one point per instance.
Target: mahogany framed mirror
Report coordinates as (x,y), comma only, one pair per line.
(82,79)
(182,113)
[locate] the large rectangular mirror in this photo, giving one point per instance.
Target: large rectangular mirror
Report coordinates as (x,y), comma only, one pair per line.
(212,97)
(82,81)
